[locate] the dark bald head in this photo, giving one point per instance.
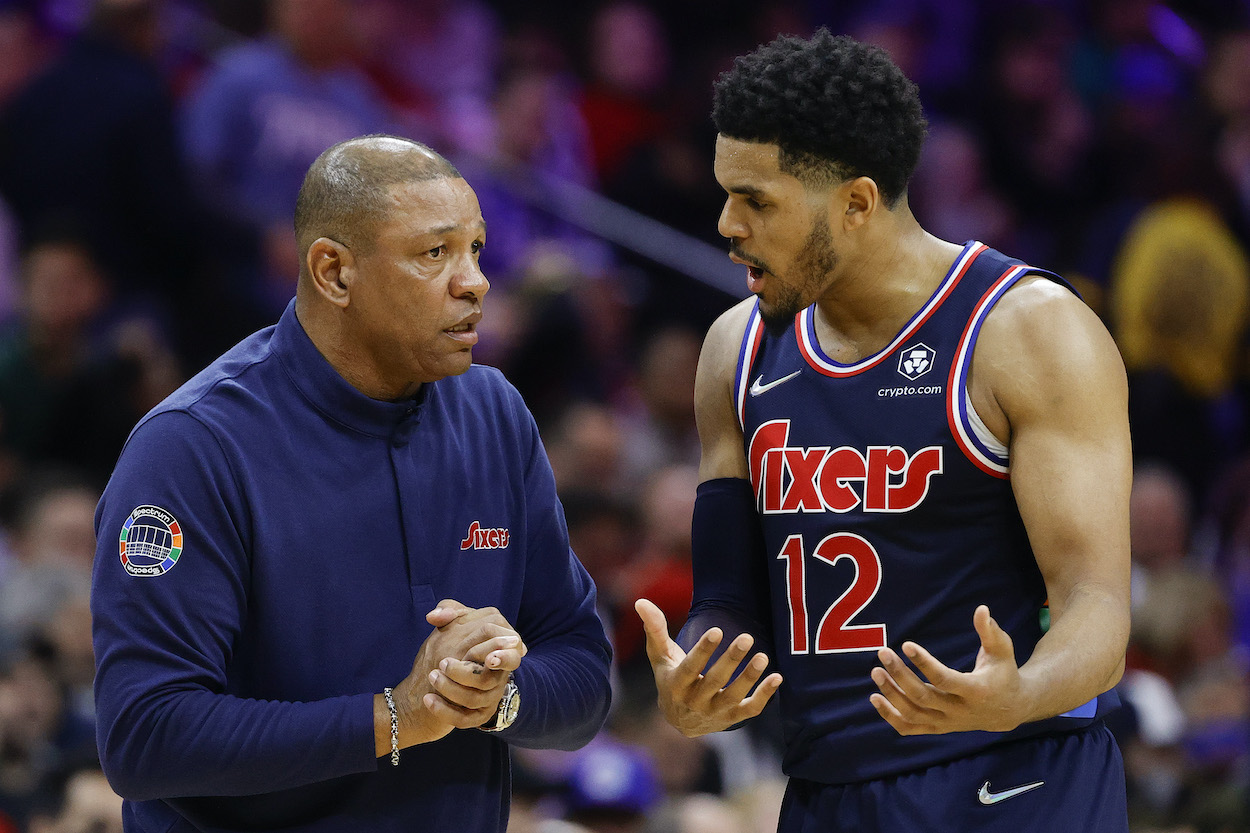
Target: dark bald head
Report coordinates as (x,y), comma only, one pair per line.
(346,191)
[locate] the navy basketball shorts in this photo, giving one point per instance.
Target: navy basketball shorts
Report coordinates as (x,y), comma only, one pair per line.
(1048,784)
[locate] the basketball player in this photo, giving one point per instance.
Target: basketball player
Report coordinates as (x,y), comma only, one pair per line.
(915,479)
(277,533)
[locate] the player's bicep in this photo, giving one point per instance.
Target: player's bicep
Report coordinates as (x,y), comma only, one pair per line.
(720,434)
(1064,393)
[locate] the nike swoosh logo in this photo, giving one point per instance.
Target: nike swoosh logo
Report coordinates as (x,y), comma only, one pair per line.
(987,798)
(757,388)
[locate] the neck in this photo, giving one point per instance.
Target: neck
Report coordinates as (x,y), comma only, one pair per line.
(883,283)
(327,328)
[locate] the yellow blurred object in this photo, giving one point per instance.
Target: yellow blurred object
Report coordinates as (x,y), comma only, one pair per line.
(1179,292)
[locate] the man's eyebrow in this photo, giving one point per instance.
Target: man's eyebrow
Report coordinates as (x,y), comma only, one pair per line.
(746,190)
(448,229)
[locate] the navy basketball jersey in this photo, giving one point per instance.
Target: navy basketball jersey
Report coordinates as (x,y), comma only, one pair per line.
(888,515)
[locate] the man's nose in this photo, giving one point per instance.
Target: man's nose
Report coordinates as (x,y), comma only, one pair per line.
(470,280)
(728,224)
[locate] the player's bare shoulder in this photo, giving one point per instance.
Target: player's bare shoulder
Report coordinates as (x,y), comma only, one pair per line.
(1042,342)
(719,432)
(719,357)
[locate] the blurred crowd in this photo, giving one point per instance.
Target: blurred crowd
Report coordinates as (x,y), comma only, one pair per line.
(150,152)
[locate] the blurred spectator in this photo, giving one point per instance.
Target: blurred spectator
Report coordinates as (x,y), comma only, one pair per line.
(661,431)
(1182,286)
(1134,66)
(64,293)
(44,589)
(1226,83)
(91,141)
(604,532)
(434,62)
(1152,726)
(132,370)
(683,766)
(949,191)
(1038,134)
(24,48)
(586,449)
(86,804)
(661,571)
(569,334)
(622,103)
(73,379)
(538,142)
(646,104)
(38,735)
(1225,538)
(1187,631)
(258,119)
(1180,294)
(1160,527)
(932,40)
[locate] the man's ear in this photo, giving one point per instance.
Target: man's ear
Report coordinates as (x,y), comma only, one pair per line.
(859,200)
(332,268)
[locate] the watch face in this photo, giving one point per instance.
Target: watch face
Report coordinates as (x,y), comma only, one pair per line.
(513,706)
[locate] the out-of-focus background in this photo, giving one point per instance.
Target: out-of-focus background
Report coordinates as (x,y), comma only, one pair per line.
(150,152)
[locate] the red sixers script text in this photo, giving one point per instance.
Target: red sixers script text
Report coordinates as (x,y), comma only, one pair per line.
(823,479)
(481,538)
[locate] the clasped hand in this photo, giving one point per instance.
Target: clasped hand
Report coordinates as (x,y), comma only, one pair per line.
(989,697)
(460,673)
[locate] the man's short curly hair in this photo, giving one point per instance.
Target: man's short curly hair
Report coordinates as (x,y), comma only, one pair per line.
(835,107)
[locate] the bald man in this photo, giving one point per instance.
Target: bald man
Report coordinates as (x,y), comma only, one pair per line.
(333,581)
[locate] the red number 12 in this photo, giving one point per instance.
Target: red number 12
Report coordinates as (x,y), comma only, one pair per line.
(834,634)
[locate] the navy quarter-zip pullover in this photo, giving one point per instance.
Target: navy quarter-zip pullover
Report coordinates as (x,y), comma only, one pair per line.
(269,545)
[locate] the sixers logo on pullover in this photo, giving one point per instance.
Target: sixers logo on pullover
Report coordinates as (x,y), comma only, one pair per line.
(888,516)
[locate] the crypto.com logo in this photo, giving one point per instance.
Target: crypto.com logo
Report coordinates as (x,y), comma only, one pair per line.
(916,361)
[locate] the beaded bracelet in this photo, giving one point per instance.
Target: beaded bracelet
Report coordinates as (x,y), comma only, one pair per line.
(390,705)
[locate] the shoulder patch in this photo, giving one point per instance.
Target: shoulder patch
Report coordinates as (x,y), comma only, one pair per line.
(150,542)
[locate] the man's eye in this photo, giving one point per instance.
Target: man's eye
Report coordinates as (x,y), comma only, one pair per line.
(477,246)
(437,251)
(754,203)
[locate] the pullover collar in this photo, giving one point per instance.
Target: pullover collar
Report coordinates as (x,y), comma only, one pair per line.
(322,386)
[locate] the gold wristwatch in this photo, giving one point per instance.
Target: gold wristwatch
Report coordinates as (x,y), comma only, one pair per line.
(509,705)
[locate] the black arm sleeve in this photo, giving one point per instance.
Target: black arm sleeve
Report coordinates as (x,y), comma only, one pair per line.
(729,563)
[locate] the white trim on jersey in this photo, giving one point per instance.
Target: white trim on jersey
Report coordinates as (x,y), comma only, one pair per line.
(959,403)
(982,432)
(746,357)
(809,344)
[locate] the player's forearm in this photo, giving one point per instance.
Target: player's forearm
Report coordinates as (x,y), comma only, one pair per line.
(728,564)
(1080,657)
